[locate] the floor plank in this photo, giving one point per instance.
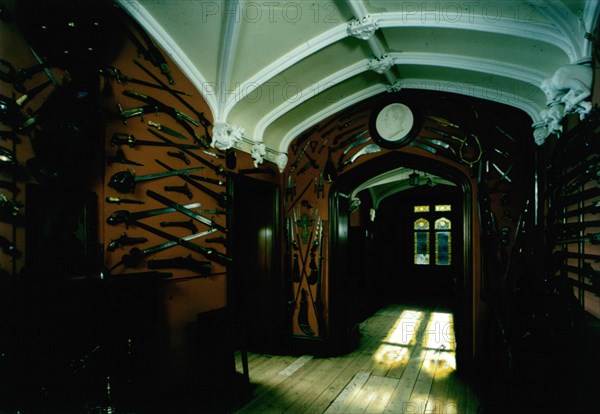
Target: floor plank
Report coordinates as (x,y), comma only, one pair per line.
(402,365)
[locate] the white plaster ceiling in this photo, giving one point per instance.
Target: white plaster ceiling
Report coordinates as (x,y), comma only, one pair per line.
(275,68)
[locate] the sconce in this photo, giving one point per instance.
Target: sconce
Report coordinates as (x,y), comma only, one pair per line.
(414,179)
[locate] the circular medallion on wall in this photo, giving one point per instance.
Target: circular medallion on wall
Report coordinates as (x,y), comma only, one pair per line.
(393,125)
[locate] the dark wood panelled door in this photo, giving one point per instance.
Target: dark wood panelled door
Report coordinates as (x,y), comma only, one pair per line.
(256,290)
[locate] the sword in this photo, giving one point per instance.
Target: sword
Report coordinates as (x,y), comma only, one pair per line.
(126,217)
(367,149)
(125,181)
(166,130)
(221,198)
(132,141)
(350,147)
(216,168)
(135,255)
(209,253)
(116,74)
(182,209)
(347,141)
(189,224)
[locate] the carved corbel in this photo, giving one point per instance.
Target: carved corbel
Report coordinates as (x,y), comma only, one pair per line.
(278,158)
(363,28)
(381,65)
(258,152)
(540,132)
(226,136)
(551,122)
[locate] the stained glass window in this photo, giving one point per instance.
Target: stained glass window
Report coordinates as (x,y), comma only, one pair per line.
(440,233)
(421,228)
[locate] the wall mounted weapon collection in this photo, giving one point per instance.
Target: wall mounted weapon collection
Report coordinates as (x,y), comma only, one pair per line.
(573,209)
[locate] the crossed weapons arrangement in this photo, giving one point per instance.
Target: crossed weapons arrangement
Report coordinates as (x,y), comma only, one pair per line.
(126,181)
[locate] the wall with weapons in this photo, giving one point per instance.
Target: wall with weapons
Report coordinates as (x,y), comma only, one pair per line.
(487,142)
(128,127)
(572,208)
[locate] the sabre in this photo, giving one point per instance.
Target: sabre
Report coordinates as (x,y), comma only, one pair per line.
(131,141)
(184,210)
(135,255)
(367,149)
(127,217)
(209,253)
(125,181)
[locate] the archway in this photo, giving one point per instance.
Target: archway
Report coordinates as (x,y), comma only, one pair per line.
(342,321)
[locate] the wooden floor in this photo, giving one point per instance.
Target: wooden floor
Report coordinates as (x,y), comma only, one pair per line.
(405,364)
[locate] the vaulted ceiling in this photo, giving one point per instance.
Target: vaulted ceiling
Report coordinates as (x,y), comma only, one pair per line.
(275,68)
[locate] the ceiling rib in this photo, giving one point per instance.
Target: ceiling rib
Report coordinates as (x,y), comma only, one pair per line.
(542,32)
(360,13)
(331,110)
(231,33)
(285,62)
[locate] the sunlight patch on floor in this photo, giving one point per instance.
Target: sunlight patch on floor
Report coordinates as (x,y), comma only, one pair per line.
(438,335)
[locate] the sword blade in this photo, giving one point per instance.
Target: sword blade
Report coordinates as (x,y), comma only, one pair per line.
(183,171)
(164,200)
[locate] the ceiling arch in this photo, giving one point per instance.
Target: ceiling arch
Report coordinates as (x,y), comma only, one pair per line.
(325,56)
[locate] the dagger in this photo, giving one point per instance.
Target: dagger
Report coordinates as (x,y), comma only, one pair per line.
(117,200)
(125,181)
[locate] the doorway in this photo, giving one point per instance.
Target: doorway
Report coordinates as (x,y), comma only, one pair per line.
(458,275)
(257,288)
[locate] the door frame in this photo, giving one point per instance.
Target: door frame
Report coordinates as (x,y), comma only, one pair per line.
(338,222)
